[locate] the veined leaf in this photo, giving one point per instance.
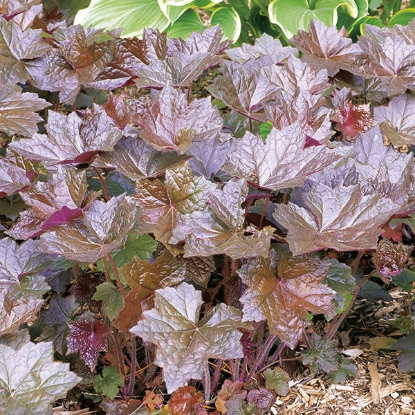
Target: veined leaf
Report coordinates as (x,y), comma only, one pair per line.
(30,381)
(283,291)
(184,344)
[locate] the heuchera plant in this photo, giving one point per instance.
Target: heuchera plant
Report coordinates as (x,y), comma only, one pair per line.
(151,242)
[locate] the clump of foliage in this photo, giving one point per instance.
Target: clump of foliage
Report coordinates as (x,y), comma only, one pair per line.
(152,243)
(239,20)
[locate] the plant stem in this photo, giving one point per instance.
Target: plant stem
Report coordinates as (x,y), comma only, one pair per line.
(207,386)
(263,213)
(103,184)
(269,342)
(216,375)
(107,274)
(133,366)
(335,324)
(117,276)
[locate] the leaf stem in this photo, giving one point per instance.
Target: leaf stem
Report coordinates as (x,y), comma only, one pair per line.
(207,386)
(107,274)
(133,366)
(103,184)
(269,342)
(335,324)
(117,276)
(216,375)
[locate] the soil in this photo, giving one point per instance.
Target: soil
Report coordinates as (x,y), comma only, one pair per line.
(379,388)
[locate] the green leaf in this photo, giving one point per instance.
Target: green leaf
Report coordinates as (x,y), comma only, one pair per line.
(294,15)
(229,21)
(141,246)
(112,301)
(322,355)
(340,280)
(403,17)
(109,382)
(407,357)
(264,129)
(348,21)
(345,370)
(130,15)
(277,380)
(118,184)
(185,25)
(405,280)
(30,381)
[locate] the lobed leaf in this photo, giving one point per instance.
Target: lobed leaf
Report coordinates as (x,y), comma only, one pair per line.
(282,292)
(184,344)
(101,230)
(71,139)
(169,123)
(88,337)
(30,381)
(283,161)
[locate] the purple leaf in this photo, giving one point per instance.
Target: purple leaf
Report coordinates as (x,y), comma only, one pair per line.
(54,203)
(101,230)
(283,161)
(184,344)
(325,47)
(138,160)
(71,139)
(17,111)
(88,337)
(282,292)
(169,123)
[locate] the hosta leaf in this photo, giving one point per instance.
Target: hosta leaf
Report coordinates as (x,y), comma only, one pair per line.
(133,17)
(54,203)
(88,337)
(184,62)
(109,382)
(265,46)
(396,121)
(283,292)
(164,206)
(17,111)
(138,160)
(325,47)
(18,47)
(53,321)
(169,123)
(112,301)
(79,56)
(30,381)
(184,344)
(71,139)
(291,16)
(283,161)
(21,288)
(101,230)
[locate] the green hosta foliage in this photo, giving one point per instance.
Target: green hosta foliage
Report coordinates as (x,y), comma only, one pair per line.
(151,230)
